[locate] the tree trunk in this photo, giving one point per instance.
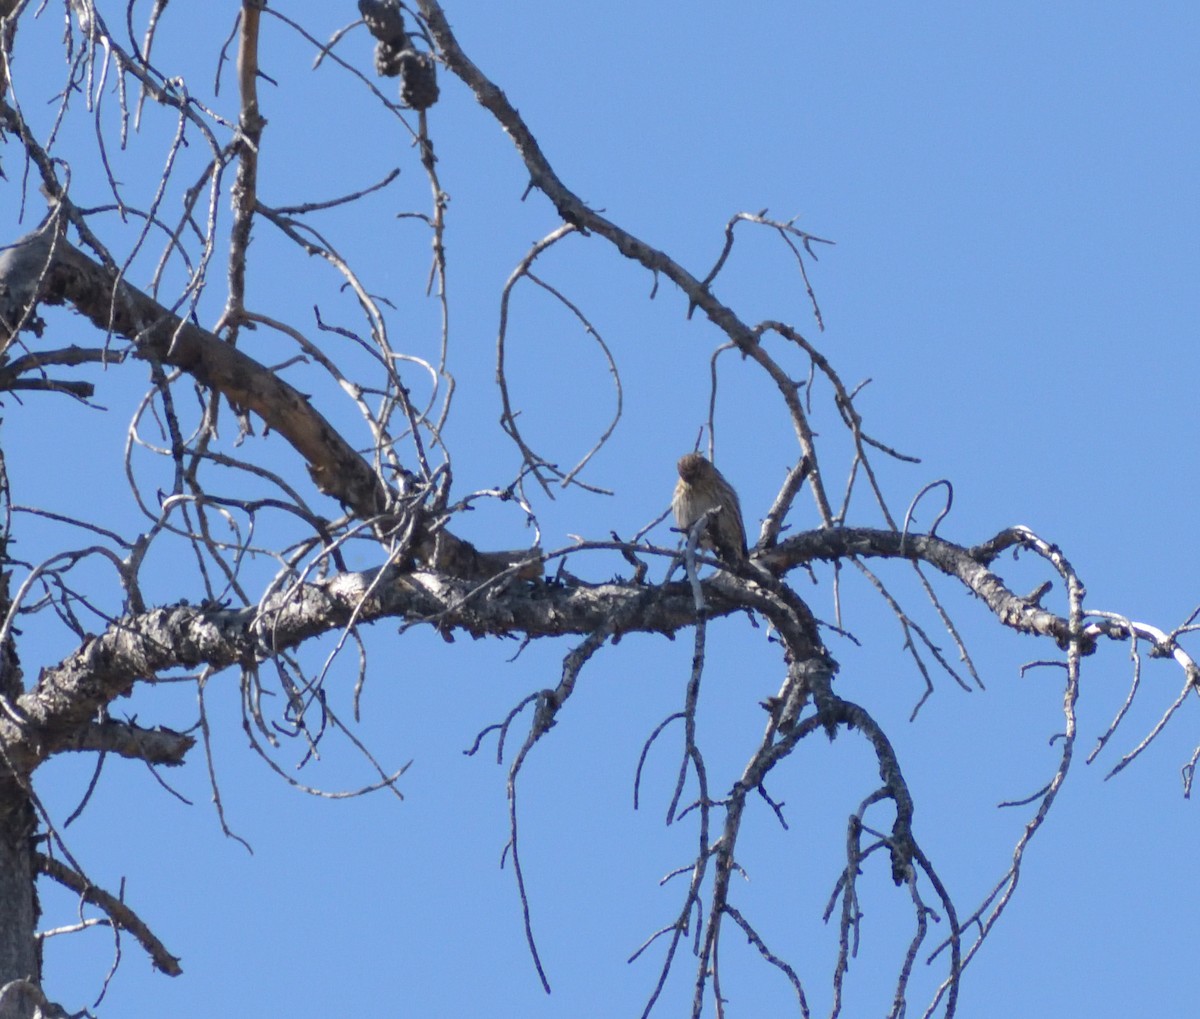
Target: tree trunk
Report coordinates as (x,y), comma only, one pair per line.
(20,957)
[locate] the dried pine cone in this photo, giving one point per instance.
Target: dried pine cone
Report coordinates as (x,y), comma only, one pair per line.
(418,87)
(386,23)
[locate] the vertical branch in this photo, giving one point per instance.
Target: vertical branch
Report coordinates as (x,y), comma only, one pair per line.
(8,31)
(437,271)
(548,704)
(244,194)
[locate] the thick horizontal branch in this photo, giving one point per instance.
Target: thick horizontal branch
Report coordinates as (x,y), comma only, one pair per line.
(67,696)
(968,565)
(126,739)
(140,647)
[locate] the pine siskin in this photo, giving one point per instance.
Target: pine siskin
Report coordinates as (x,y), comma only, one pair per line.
(701,488)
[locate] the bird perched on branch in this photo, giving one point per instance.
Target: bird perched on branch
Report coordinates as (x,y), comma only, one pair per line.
(702,488)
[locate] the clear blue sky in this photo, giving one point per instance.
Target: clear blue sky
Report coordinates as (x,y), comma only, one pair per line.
(1013,192)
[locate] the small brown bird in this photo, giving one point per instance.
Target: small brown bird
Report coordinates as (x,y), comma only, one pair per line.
(701,488)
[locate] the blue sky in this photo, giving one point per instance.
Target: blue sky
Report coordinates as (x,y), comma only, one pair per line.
(1012,193)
